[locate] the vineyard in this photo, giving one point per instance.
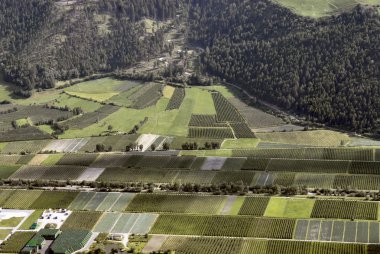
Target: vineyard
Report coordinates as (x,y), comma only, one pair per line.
(25,146)
(205,121)
(224,226)
(16,242)
(216,245)
(48,173)
(54,199)
(70,241)
(146,96)
(341,209)
(187,245)
(242,130)
(225,111)
(91,118)
(318,166)
(197,204)
(212,133)
(81,220)
(309,153)
(77,159)
(176,99)
(255,206)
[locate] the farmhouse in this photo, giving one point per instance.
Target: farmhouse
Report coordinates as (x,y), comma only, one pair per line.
(38,242)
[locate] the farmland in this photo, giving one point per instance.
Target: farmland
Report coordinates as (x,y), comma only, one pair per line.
(176,204)
(195,205)
(16,242)
(224,226)
(176,99)
(81,220)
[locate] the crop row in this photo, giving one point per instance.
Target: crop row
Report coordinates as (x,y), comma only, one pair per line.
(81,220)
(149,97)
(205,121)
(91,118)
(225,111)
(308,153)
(242,130)
(224,226)
(345,209)
(218,245)
(204,204)
(176,99)
(212,133)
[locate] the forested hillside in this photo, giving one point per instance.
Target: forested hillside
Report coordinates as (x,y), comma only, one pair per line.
(43,40)
(327,69)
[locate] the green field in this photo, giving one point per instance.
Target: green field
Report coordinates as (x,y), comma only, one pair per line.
(323,138)
(4,233)
(321,8)
(31,219)
(98,90)
(7,170)
(241,143)
(11,222)
(289,208)
(74,102)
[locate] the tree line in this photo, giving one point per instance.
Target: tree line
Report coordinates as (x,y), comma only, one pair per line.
(327,69)
(40,43)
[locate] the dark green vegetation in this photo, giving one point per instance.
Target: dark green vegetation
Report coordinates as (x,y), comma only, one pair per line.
(176,99)
(29,25)
(325,69)
(176,203)
(90,118)
(224,226)
(81,220)
(16,242)
(70,241)
(227,123)
(345,210)
(214,245)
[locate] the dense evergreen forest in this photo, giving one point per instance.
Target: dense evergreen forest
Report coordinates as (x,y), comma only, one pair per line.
(41,41)
(326,69)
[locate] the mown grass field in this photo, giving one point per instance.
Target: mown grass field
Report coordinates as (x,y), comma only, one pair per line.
(99,89)
(323,138)
(74,102)
(289,208)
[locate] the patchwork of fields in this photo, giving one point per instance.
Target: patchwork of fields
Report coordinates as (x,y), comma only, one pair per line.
(167,215)
(212,150)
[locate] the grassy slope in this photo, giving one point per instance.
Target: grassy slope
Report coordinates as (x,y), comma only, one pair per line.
(168,91)
(321,8)
(312,138)
(73,102)
(240,143)
(100,89)
(173,122)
